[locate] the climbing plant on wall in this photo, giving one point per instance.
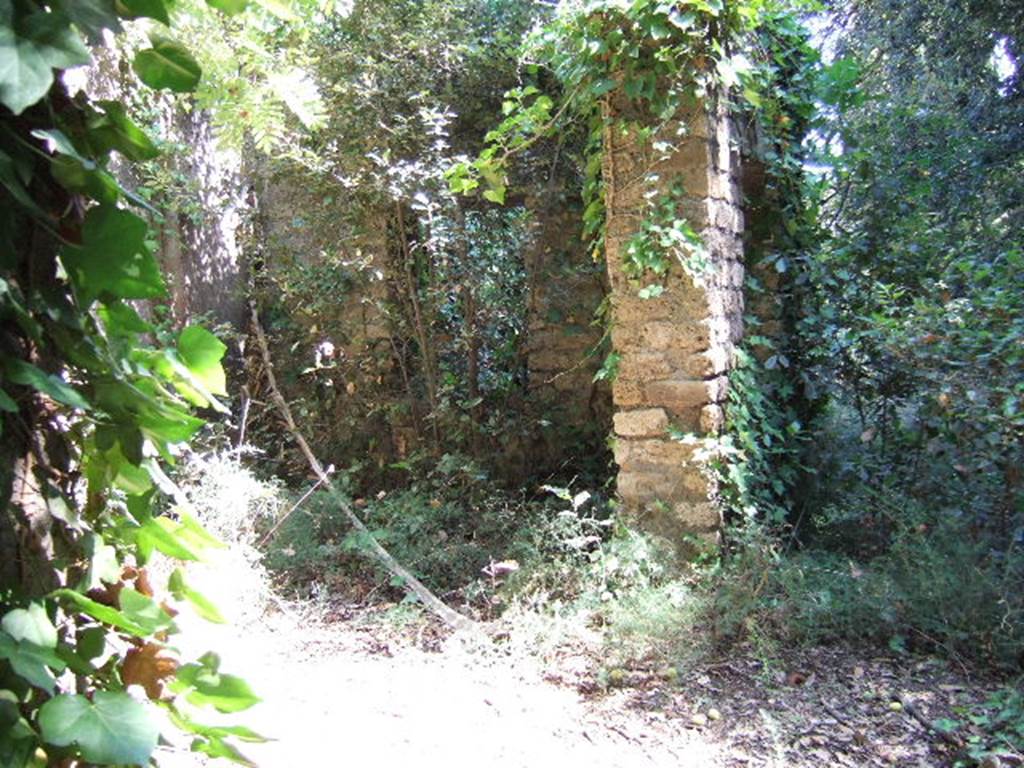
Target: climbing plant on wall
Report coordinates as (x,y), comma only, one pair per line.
(655,59)
(96,403)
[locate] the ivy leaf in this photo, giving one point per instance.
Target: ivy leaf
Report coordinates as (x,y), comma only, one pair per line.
(182,591)
(145,612)
(112,129)
(28,641)
(113,257)
(31,47)
(202,352)
(168,65)
(31,625)
(91,17)
(495,194)
(137,9)
(31,662)
(203,684)
(112,729)
(28,375)
(7,403)
(230,7)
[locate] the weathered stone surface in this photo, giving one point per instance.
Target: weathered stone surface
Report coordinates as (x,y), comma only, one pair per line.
(648,422)
(712,418)
(652,455)
(698,515)
(677,396)
(628,393)
(675,350)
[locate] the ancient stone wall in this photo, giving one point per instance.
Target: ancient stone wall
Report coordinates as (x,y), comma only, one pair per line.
(675,349)
(564,349)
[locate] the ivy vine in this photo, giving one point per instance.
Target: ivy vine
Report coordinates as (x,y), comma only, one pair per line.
(96,403)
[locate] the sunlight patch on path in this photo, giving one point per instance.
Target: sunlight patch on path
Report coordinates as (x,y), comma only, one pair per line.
(328,701)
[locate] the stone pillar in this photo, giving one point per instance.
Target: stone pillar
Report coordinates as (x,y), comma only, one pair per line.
(676,350)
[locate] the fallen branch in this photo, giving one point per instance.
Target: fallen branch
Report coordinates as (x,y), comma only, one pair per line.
(381,555)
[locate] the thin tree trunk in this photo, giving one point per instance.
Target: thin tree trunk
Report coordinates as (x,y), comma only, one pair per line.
(420,328)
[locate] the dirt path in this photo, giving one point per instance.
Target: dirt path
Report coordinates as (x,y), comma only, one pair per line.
(336,694)
(344,687)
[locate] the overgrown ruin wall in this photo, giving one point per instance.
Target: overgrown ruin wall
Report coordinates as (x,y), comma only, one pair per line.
(564,338)
(676,350)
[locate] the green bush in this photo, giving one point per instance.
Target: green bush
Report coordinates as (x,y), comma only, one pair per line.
(932,586)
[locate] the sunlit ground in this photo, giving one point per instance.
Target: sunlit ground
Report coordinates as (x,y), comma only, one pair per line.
(344,694)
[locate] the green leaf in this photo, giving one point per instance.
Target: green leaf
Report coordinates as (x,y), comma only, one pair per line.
(230,7)
(13,183)
(100,612)
(203,684)
(182,591)
(104,565)
(92,641)
(112,129)
(28,641)
(113,257)
(91,17)
(75,176)
(30,49)
(162,534)
(31,625)
(31,662)
(145,612)
(7,403)
(202,352)
(122,319)
(13,728)
(495,194)
(112,729)
(185,723)
(216,747)
(28,375)
(137,9)
(168,65)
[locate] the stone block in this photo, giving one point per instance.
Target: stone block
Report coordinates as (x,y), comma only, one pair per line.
(697,515)
(677,396)
(675,337)
(644,365)
(646,422)
(637,489)
(628,393)
(658,455)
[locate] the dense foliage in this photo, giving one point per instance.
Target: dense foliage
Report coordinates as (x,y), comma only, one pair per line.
(96,401)
(403,167)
